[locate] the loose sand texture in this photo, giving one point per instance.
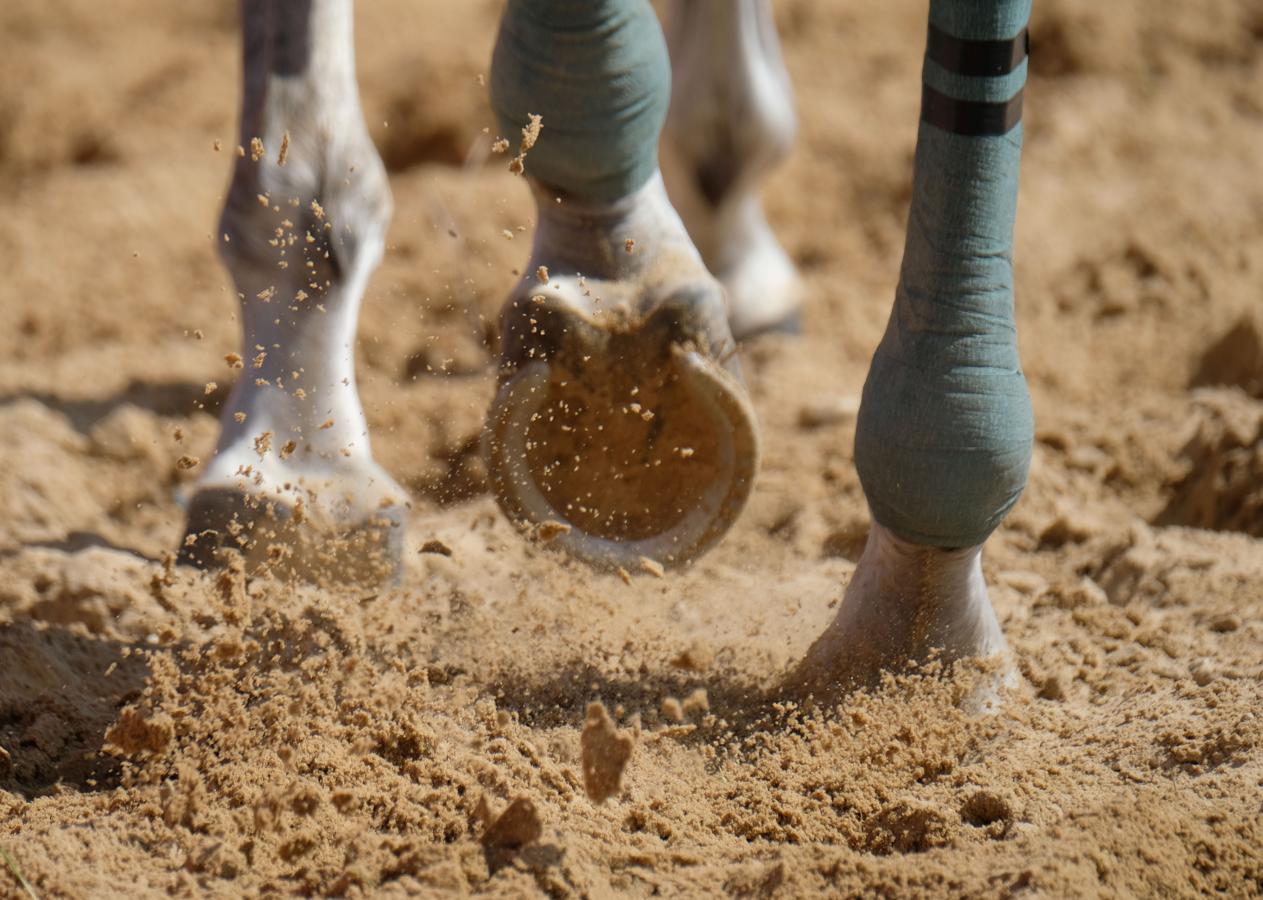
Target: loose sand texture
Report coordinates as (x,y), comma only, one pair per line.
(164,732)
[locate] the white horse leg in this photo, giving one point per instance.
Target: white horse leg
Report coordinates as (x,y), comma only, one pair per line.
(731,122)
(293,478)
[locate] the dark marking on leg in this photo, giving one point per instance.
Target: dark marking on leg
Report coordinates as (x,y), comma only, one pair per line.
(291,36)
(717,174)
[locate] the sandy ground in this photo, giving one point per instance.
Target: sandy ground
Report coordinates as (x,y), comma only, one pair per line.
(269,738)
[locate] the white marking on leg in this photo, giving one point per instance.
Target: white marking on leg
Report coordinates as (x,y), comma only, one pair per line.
(302,240)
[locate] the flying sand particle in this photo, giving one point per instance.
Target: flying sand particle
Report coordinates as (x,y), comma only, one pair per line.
(696,702)
(530,134)
(652,566)
(697,657)
(547,532)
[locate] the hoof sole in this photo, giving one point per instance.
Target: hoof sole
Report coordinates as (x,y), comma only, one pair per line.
(662,479)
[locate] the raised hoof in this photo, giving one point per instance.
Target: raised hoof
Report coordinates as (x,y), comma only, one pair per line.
(280,538)
(621,424)
(634,440)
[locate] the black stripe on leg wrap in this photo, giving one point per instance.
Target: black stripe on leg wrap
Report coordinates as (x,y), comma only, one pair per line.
(978,58)
(970,118)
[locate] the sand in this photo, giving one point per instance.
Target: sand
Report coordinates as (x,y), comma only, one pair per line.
(166,732)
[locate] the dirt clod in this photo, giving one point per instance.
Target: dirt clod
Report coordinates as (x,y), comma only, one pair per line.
(517,826)
(546,532)
(605,753)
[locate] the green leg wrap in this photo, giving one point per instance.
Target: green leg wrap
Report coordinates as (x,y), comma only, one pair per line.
(943,441)
(597,72)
